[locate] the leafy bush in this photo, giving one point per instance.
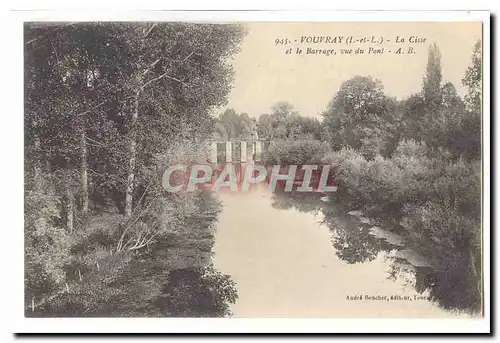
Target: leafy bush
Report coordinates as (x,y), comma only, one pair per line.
(411,176)
(297,152)
(119,266)
(46,244)
(434,199)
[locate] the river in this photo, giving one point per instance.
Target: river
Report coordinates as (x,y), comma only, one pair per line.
(304,257)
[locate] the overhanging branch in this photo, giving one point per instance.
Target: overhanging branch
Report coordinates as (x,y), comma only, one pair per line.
(164,75)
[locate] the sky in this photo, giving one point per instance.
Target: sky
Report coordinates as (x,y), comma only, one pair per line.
(264,74)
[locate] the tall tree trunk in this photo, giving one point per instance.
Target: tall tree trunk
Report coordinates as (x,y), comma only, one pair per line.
(84,180)
(69,208)
(132,159)
(37,177)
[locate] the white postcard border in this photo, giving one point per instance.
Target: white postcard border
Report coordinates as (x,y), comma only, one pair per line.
(13,178)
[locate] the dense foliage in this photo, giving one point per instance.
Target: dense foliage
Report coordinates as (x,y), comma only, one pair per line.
(107,106)
(286,123)
(413,164)
(232,126)
(297,152)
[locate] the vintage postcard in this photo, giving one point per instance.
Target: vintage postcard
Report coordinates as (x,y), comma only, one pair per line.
(240,167)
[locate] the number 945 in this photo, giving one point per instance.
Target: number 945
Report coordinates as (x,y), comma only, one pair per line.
(282,41)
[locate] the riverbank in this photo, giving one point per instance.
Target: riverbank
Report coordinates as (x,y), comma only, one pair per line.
(291,261)
(172,276)
(432,201)
(420,193)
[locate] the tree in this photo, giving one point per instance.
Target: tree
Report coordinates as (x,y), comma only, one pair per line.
(472,80)
(452,124)
(265,126)
(303,127)
(421,110)
(432,80)
(438,115)
(230,126)
(358,111)
(70,112)
(281,113)
(283,110)
(131,80)
(248,126)
(470,140)
(285,122)
(103,102)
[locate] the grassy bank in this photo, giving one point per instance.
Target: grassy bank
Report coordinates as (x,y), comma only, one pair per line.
(434,200)
(418,192)
(171,276)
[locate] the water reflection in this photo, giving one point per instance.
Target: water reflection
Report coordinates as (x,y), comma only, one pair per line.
(352,240)
(197,292)
(278,250)
(356,240)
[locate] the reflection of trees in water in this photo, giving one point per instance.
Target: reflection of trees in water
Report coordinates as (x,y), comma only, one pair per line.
(456,287)
(449,286)
(304,202)
(453,289)
(196,292)
(150,292)
(172,277)
(352,242)
(420,278)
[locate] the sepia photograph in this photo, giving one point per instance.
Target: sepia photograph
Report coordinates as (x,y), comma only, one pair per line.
(254,169)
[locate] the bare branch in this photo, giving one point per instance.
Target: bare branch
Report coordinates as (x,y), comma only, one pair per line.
(88,111)
(54,49)
(151,66)
(33,40)
(38,26)
(164,75)
(94,141)
(186,58)
(149,31)
(107,176)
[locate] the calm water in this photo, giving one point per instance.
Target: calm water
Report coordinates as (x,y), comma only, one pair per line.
(302,257)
